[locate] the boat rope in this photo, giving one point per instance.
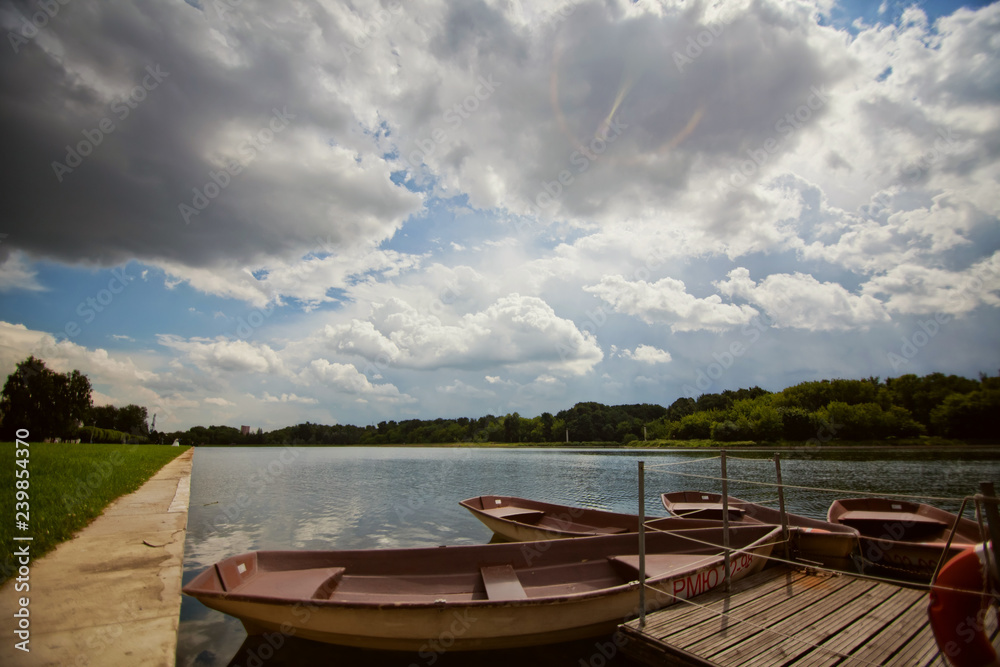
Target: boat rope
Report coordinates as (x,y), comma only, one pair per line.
(680,463)
(815,488)
(819,568)
(763,628)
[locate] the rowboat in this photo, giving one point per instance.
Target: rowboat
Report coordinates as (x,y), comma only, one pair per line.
(492,596)
(827,543)
(902,538)
(524,520)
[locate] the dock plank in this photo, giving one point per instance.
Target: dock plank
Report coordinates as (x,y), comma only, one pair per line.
(790,617)
(778,632)
(811,637)
(864,627)
(709,604)
(718,626)
(757,629)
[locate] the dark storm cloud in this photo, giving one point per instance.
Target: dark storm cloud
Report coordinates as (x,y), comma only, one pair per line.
(159,102)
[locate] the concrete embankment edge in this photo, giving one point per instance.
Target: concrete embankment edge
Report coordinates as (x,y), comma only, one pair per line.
(111,595)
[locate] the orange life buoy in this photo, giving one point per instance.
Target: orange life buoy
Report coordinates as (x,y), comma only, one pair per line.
(957,616)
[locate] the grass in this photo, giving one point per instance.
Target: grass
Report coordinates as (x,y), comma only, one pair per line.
(70,485)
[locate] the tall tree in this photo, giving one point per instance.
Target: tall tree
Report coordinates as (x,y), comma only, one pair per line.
(46,403)
(132,419)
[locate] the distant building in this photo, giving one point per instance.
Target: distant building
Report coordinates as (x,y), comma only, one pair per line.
(245,430)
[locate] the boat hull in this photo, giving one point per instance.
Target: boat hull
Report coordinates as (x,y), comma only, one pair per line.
(452,623)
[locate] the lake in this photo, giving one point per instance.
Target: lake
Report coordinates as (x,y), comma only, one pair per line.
(246,499)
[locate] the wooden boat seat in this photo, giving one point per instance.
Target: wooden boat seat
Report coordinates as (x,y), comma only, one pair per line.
(516,513)
(658,564)
(502,583)
(706,511)
(316,583)
(907,517)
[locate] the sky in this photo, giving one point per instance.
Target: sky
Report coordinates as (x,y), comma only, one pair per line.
(265,213)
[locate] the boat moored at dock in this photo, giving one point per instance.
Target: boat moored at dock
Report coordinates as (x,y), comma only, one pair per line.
(496,595)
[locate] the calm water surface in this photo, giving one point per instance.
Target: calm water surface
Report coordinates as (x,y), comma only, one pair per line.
(245,499)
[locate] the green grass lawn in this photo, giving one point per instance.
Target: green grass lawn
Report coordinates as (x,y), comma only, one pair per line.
(70,485)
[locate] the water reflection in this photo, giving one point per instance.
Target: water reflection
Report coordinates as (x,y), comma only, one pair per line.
(245,499)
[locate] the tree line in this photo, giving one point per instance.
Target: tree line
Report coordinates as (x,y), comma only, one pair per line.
(57,405)
(53,405)
(821,411)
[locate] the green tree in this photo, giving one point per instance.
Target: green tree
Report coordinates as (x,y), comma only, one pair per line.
(46,403)
(969,415)
(133,419)
(104,416)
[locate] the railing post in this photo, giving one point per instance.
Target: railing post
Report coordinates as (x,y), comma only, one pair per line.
(992,519)
(642,544)
(781,503)
(725,521)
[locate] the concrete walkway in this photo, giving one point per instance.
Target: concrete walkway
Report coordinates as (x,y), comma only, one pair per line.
(112,594)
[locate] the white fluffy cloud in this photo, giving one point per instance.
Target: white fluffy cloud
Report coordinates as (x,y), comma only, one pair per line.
(802,302)
(229,356)
(647,354)
(514,331)
(346,379)
(920,290)
(667,302)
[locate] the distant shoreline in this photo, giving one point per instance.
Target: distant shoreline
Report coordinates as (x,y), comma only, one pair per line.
(896,446)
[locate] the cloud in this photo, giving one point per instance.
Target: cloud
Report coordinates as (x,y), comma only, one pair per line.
(667,302)
(647,354)
(228,356)
(461,389)
(255,136)
(345,378)
(922,290)
(433,214)
(514,331)
(16,273)
(221,402)
(800,301)
(287,398)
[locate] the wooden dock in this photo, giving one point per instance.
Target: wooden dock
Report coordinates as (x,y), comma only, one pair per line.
(782,616)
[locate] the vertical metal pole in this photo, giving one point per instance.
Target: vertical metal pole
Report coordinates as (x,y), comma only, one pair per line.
(725,521)
(781,503)
(642,544)
(992,519)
